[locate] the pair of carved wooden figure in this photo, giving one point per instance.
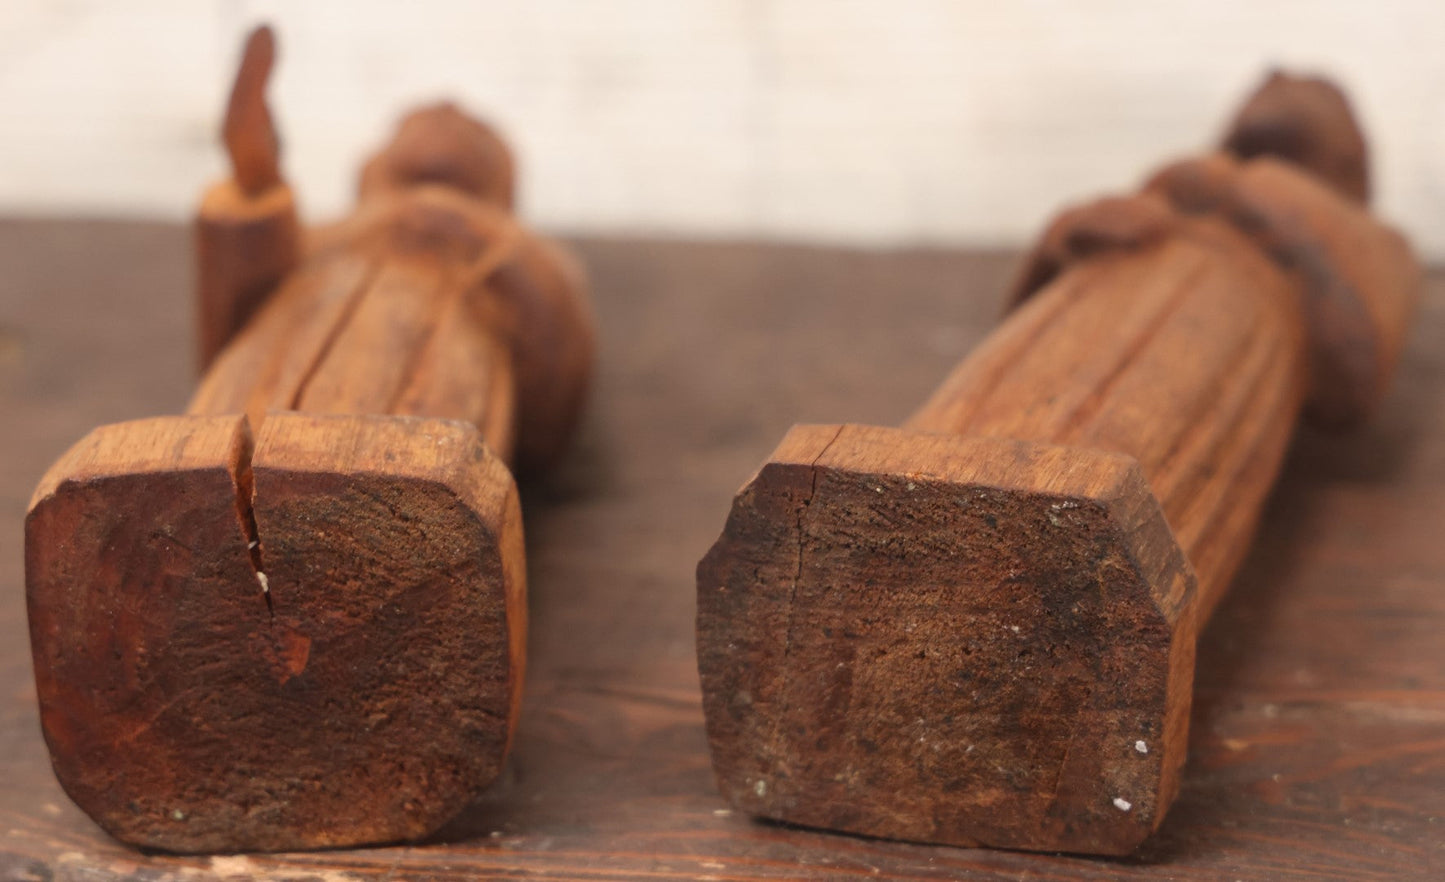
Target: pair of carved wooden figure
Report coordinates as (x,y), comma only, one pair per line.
(295,617)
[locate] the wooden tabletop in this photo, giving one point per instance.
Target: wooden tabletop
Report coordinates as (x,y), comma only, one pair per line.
(1318,740)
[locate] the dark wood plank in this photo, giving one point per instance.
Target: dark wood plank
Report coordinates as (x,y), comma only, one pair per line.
(1318,744)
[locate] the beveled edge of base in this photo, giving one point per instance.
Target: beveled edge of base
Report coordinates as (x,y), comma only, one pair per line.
(1111,480)
(223,450)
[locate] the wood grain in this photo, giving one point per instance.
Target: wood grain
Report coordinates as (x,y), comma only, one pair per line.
(248,236)
(1318,728)
(245,246)
(306,626)
(976,681)
(1188,355)
(1359,276)
(879,657)
(321,633)
(189,708)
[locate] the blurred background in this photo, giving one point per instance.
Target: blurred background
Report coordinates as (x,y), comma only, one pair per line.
(875,123)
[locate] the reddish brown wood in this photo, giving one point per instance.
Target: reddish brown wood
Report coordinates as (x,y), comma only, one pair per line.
(1343,260)
(245,246)
(249,132)
(974,631)
(295,617)
(1317,734)
(352,678)
(248,236)
(1306,121)
(440,144)
(1187,355)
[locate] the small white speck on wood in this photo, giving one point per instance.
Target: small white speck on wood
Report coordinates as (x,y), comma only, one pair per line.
(1122,804)
(1141,746)
(265,583)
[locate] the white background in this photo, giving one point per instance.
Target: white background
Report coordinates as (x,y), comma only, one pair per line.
(880,122)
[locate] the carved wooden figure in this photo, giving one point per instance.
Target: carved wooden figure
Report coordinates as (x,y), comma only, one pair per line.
(295,617)
(979,628)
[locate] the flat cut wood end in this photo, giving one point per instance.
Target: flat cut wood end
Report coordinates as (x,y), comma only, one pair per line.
(951,640)
(312,640)
(226,202)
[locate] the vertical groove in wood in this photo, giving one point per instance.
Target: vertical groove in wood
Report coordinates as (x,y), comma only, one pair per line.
(459,373)
(1216,529)
(256,372)
(367,364)
(380,334)
(1033,384)
(1188,356)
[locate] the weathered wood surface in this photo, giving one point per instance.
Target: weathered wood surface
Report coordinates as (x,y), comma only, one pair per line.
(926,639)
(936,643)
(1318,733)
(296,616)
(364,691)
(248,235)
